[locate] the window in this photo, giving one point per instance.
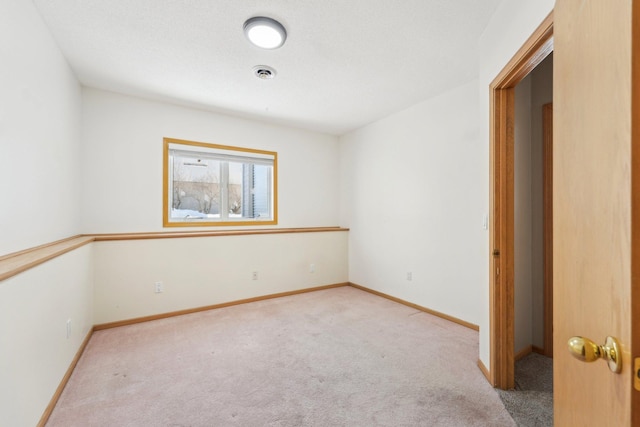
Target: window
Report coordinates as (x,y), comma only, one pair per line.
(208,184)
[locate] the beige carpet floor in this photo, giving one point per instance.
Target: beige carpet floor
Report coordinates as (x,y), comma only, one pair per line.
(338,357)
(530,403)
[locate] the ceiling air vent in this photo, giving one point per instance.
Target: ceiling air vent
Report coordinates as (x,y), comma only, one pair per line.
(264,72)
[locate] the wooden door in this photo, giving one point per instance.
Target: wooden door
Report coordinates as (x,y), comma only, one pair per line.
(596,211)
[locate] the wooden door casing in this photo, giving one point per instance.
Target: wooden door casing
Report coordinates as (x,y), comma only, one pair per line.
(547,155)
(501,201)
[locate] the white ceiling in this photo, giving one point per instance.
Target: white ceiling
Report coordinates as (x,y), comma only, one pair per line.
(345,63)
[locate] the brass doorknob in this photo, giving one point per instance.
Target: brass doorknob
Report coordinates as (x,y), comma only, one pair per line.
(588,351)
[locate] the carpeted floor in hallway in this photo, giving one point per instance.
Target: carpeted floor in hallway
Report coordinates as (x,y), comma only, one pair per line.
(337,357)
(531,402)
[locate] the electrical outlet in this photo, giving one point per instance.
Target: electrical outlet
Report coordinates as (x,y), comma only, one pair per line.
(409,276)
(254,275)
(159,287)
(312,268)
(68,328)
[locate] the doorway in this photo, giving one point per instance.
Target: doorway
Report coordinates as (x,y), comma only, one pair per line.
(502,259)
(531,400)
(533,274)
(596,210)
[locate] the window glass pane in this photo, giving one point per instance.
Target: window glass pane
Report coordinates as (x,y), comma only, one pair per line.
(249,190)
(262,191)
(235,190)
(196,188)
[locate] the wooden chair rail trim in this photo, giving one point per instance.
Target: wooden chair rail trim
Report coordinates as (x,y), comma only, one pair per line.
(211,233)
(419,307)
(46,245)
(17,262)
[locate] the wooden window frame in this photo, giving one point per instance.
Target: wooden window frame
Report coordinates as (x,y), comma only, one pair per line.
(166,199)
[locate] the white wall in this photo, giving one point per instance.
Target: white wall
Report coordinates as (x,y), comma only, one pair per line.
(523,328)
(40,105)
(412,196)
(433,232)
(122,192)
(511,25)
(122,162)
(39,133)
(203,271)
(35,352)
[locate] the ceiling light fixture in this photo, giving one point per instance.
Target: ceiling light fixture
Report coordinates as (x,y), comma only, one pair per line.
(265,32)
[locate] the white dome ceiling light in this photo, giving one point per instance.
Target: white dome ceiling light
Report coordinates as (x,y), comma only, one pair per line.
(265,32)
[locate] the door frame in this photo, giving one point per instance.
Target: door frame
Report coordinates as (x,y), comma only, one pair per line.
(547,191)
(501,200)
